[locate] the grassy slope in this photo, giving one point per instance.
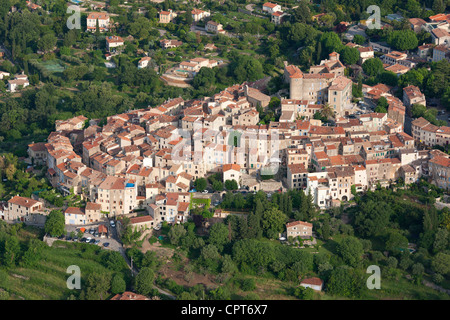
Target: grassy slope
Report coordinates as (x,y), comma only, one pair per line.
(47,281)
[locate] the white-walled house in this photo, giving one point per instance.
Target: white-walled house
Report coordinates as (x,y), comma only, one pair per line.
(17,82)
(143,63)
(271,7)
(75,216)
(232,172)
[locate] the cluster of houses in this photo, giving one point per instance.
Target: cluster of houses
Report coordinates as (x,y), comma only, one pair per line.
(148,159)
(143,159)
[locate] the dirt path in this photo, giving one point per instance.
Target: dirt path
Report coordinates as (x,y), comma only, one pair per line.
(435,286)
(169,269)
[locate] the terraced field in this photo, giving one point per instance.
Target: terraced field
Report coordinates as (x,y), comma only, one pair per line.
(47,281)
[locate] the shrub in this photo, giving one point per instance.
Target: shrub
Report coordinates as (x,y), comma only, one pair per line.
(248,284)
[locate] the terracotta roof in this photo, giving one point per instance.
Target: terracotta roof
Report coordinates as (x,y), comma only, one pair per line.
(270,5)
(93,206)
(141,219)
(296,223)
(127,295)
(23,201)
(74,210)
(312,281)
(297,168)
(441,161)
(227,167)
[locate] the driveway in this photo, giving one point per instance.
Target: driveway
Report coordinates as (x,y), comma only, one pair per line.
(111,238)
(354,30)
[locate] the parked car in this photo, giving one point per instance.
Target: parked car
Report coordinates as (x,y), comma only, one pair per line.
(96,241)
(96,234)
(92,241)
(75,239)
(205,191)
(83,239)
(106,244)
(88,239)
(91,231)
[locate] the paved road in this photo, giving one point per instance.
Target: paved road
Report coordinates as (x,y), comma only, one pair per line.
(116,245)
(353,30)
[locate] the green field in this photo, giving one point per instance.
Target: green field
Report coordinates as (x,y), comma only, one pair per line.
(47,280)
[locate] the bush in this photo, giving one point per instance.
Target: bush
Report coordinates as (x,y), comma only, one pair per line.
(248,284)
(118,284)
(438,278)
(152,240)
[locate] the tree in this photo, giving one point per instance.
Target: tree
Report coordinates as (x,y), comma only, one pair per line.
(200,184)
(373,66)
(418,110)
(176,233)
(331,42)
(441,263)
(144,281)
(326,229)
(228,265)
(372,218)
(98,286)
(359,39)
(304,293)
(205,78)
(327,111)
(217,185)
(113,260)
(55,223)
(248,284)
(209,257)
(33,254)
(438,6)
(118,284)
(417,271)
(351,250)
(382,105)
(389,78)
(231,185)
(440,240)
(345,282)
(47,42)
(218,235)
(403,40)
(273,221)
(11,251)
(392,262)
(395,241)
(246,68)
(302,13)
(188,18)
(349,55)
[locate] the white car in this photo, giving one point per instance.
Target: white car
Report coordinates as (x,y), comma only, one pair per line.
(88,239)
(205,191)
